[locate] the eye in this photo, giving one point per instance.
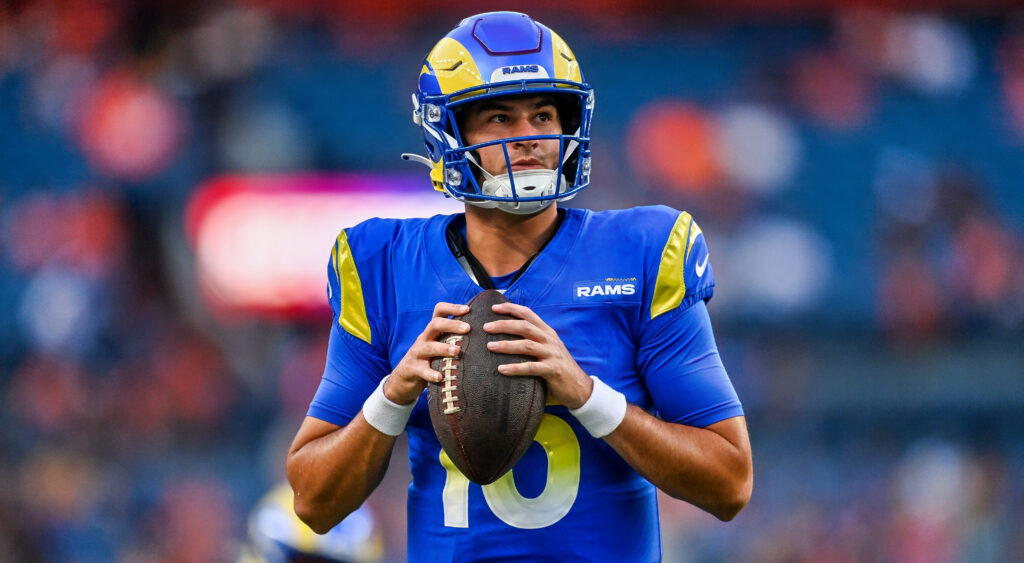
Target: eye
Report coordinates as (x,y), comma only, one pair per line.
(498,118)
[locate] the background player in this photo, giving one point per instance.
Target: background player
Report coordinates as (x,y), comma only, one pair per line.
(619,295)
(276,535)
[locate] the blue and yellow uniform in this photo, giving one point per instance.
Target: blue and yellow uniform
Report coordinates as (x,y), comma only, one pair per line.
(626,292)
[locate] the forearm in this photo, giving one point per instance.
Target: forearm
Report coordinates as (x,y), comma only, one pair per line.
(333,469)
(709,467)
(698,465)
(334,473)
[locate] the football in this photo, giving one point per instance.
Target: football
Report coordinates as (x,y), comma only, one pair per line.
(485,421)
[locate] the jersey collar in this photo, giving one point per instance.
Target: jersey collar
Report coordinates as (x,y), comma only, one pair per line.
(531,286)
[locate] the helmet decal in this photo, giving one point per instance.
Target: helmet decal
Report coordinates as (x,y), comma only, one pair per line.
(453,66)
(566,66)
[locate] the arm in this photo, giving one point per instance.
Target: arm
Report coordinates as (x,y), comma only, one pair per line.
(332,468)
(709,467)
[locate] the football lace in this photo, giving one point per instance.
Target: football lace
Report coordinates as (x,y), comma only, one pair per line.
(450,381)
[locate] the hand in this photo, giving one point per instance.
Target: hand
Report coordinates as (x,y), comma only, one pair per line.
(566,381)
(410,376)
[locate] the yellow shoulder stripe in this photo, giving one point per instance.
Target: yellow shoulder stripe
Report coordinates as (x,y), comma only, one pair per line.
(670,287)
(352,312)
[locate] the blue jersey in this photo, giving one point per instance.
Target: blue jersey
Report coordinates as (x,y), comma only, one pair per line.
(625,290)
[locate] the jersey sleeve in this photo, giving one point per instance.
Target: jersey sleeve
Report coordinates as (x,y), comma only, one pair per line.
(352,371)
(683,371)
(678,266)
(356,358)
(677,354)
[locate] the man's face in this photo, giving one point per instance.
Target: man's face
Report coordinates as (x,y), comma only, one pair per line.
(503,118)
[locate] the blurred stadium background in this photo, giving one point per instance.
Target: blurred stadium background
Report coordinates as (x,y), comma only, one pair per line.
(174,173)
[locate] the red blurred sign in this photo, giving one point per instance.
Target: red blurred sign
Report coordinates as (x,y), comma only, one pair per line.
(262,243)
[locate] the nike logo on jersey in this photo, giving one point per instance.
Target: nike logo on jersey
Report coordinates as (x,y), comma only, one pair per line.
(702,265)
(608,287)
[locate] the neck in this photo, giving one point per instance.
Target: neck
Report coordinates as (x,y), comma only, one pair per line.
(503,242)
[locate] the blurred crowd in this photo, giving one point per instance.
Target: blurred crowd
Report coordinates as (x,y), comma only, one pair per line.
(857,172)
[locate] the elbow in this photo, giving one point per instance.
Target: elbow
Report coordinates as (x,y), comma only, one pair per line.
(318,520)
(734,500)
(308,509)
(310,516)
(315,510)
(320,526)
(727,511)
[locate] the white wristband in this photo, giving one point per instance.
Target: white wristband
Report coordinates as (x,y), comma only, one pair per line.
(384,414)
(603,411)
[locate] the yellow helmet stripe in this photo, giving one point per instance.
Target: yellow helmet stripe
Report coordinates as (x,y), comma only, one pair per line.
(352,315)
(670,287)
(437,176)
(565,64)
(453,66)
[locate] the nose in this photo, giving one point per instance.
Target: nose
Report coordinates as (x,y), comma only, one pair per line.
(523,127)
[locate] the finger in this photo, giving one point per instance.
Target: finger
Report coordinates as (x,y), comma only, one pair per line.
(519,311)
(429,375)
(412,373)
(525,368)
(522,328)
(521,347)
(443,309)
(434,349)
(440,325)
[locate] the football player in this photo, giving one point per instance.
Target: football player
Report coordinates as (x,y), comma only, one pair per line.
(276,535)
(611,304)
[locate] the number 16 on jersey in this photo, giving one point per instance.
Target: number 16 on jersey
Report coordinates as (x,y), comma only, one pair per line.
(554,502)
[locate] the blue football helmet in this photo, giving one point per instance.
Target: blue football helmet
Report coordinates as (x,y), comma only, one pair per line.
(502,54)
(276,535)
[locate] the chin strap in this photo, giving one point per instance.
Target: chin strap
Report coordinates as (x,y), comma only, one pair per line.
(457,244)
(460,249)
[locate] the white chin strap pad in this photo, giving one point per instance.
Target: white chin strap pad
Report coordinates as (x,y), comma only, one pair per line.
(529,183)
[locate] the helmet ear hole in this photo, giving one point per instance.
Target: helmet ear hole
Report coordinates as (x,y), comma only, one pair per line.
(568,107)
(457,124)
(570,167)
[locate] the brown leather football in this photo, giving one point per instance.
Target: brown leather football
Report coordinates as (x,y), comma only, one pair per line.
(485,421)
